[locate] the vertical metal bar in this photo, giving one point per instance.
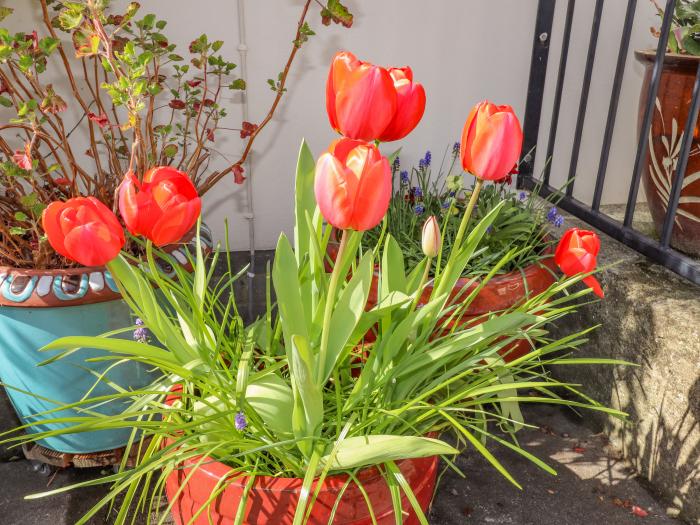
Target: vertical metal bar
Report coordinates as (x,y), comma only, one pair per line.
(535,87)
(683,155)
(592,44)
(614,99)
(648,112)
(559,88)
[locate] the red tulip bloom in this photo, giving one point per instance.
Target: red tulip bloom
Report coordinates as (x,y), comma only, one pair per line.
(368,102)
(491,141)
(162,208)
(353,185)
(576,253)
(83,229)
(410,105)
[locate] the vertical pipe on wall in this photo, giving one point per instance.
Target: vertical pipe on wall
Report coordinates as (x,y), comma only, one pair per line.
(250,214)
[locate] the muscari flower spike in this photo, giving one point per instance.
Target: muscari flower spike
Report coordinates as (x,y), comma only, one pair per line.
(417,192)
(419,209)
(240,421)
(404,177)
(141,333)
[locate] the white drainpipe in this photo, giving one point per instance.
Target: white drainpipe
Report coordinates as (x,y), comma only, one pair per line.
(249,215)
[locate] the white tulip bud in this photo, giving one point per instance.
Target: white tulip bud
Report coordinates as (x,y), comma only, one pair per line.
(430,240)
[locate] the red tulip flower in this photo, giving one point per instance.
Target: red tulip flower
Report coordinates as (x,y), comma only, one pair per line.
(368,102)
(491,141)
(576,253)
(162,208)
(84,230)
(353,185)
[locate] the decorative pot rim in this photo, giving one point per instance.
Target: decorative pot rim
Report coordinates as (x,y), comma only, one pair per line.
(59,287)
(670,59)
(217,470)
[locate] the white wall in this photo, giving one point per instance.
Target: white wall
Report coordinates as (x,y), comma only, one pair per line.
(461,50)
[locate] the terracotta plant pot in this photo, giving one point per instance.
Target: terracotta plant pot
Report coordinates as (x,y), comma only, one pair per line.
(500,293)
(659,169)
(273,500)
(39,306)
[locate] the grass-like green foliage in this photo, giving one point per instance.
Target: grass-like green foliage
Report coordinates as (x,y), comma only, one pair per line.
(289,373)
(419,193)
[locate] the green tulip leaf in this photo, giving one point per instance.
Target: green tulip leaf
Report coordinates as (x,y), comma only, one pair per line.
(362,451)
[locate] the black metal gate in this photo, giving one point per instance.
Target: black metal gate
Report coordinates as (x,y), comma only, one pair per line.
(657,249)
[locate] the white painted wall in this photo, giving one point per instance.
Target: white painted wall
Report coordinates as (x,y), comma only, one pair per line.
(461,50)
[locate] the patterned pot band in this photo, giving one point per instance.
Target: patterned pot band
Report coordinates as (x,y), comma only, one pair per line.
(75,286)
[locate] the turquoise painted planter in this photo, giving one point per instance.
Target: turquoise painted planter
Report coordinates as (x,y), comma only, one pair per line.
(25,329)
(39,306)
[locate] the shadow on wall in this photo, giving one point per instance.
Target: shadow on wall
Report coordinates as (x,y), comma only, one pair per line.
(650,318)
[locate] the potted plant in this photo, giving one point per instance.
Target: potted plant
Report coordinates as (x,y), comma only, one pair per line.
(137,105)
(671,110)
(522,225)
(267,424)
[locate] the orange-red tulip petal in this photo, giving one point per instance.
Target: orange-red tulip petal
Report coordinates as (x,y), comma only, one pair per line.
(410,105)
(576,253)
(491,141)
(360,97)
(353,185)
(162,208)
(83,229)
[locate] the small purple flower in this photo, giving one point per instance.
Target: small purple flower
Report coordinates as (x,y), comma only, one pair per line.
(417,192)
(455,149)
(446,204)
(141,333)
(489,230)
(522,196)
(552,214)
(419,209)
(404,177)
(240,421)
(558,221)
(397,163)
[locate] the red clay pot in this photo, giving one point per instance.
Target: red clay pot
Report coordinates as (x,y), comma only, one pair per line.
(500,293)
(273,500)
(668,122)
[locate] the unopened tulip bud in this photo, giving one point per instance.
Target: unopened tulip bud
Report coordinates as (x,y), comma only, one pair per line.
(430,240)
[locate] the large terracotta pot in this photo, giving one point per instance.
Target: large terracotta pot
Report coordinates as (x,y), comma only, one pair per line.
(500,293)
(659,169)
(273,500)
(39,306)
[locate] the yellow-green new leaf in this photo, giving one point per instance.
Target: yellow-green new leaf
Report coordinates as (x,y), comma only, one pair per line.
(361,451)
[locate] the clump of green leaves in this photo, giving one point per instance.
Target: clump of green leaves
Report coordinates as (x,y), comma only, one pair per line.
(419,193)
(684,36)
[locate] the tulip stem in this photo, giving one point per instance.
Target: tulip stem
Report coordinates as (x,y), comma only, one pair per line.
(424,279)
(330,301)
(467,214)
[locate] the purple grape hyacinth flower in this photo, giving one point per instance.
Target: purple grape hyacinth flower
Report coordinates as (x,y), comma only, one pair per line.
(141,333)
(417,192)
(397,163)
(455,149)
(522,196)
(419,209)
(240,421)
(404,177)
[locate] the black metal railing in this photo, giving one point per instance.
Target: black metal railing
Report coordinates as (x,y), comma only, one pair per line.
(658,249)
